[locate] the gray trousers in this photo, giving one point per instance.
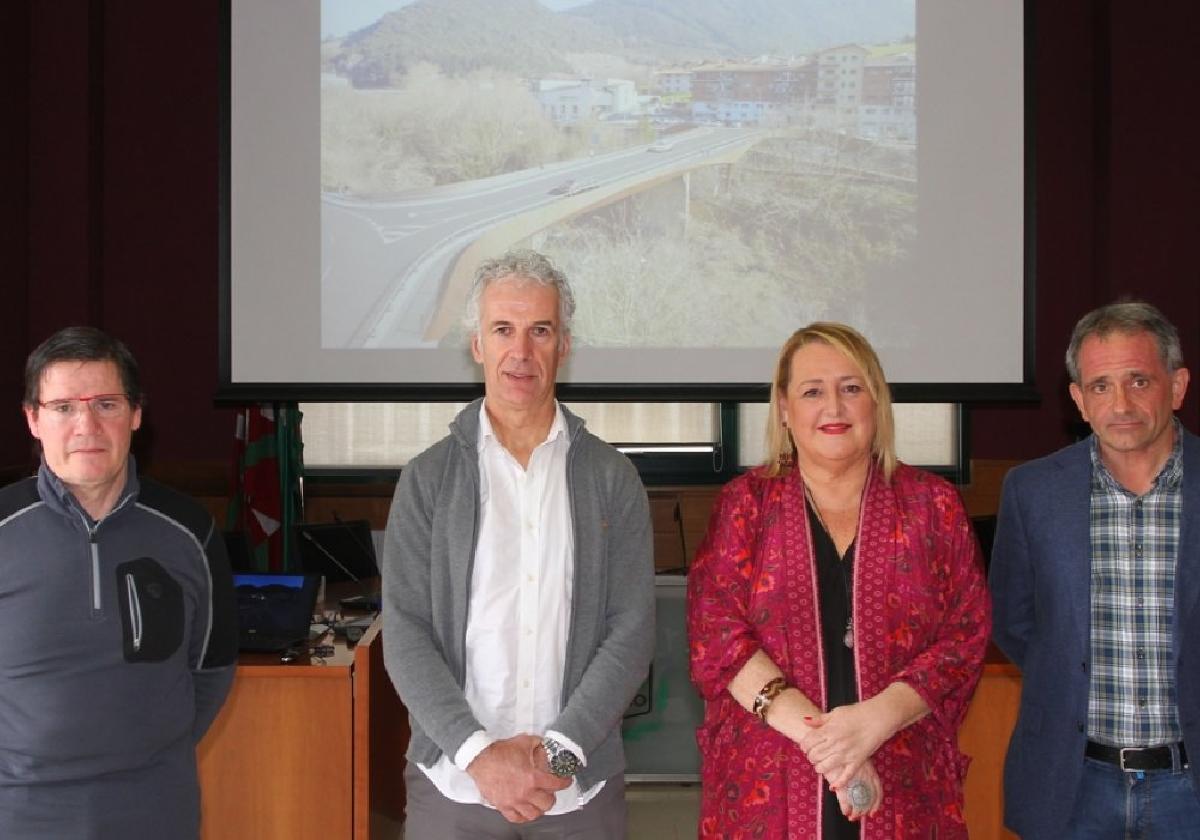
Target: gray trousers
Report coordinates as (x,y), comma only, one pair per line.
(431,816)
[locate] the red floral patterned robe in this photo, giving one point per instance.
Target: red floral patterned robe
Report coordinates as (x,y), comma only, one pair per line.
(921,615)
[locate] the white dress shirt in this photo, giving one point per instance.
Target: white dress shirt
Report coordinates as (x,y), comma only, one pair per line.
(520,607)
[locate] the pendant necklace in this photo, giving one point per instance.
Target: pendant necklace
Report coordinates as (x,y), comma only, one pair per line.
(847,579)
(848,638)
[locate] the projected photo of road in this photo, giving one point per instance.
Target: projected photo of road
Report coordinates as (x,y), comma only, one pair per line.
(709,173)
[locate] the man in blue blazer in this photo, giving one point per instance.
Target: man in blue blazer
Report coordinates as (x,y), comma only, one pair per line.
(1095,580)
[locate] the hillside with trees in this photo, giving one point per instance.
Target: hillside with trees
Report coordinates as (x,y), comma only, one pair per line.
(526,39)
(718,28)
(518,37)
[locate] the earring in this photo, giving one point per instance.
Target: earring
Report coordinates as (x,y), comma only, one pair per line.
(787,459)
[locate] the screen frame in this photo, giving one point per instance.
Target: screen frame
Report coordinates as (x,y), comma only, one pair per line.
(229,392)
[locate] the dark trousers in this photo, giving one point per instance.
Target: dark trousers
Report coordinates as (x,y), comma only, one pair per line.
(431,816)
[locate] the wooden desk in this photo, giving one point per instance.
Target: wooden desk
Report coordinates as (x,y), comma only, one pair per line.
(305,750)
(309,751)
(984,736)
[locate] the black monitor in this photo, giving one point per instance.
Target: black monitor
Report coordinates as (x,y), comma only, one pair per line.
(337,550)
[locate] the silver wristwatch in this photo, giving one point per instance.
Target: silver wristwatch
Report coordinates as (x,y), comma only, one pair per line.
(563,763)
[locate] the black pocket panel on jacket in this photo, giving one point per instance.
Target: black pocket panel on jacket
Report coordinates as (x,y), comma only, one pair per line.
(151,610)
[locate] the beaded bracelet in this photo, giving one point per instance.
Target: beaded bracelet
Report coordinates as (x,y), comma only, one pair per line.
(766,695)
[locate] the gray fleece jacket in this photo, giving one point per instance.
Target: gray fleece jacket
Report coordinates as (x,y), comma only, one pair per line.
(120,647)
(428,557)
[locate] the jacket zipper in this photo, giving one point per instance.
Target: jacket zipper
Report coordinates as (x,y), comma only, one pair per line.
(135,612)
(95,550)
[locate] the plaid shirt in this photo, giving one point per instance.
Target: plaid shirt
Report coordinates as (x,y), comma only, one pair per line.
(1135,542)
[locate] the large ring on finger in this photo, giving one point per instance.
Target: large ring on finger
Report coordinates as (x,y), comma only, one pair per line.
(861,795)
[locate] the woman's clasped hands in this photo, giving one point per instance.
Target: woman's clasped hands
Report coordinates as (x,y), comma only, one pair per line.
(839,745)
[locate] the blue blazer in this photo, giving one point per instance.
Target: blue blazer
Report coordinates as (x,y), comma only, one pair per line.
(1041,595)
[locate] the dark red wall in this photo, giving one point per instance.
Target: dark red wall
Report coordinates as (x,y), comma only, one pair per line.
(1118,180)
(116,219)
(14,229)
(108,212)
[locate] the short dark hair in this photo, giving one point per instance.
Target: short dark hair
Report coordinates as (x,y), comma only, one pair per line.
(81,344)
(1126,317)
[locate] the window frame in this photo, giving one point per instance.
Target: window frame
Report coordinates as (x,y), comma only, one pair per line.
(658,466)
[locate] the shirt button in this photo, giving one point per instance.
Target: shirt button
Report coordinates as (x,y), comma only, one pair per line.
(1141,654)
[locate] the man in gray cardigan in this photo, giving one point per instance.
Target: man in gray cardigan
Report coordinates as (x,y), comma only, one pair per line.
(518,590)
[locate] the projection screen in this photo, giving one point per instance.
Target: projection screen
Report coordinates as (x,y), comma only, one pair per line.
(710,174)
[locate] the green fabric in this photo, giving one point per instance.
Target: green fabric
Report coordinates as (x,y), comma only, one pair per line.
(282,452)
(290,443)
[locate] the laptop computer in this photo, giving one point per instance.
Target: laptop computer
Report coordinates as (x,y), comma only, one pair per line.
(274,610)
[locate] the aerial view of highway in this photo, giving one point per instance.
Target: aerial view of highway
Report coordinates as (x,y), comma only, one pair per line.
(670,173)
(384,261)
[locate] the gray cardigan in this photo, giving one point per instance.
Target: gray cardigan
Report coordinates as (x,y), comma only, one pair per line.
(428,557)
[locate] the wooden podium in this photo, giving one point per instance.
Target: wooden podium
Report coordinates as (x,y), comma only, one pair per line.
(305,750)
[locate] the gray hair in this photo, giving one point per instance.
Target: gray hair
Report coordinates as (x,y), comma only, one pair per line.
(1126,317)
(528,267)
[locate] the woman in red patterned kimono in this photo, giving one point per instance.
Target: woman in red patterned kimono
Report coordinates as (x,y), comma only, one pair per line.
(837,616)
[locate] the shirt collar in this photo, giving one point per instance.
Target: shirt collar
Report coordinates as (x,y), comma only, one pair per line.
(54,491)
(558,427)
(1168,478)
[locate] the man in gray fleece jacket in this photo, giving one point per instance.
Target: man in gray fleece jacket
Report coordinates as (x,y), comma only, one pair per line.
(518,590)
(118,615)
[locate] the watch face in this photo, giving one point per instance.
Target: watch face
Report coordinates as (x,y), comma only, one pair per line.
(562,761)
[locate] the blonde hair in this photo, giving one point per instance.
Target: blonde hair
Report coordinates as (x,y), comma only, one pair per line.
(851,344)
